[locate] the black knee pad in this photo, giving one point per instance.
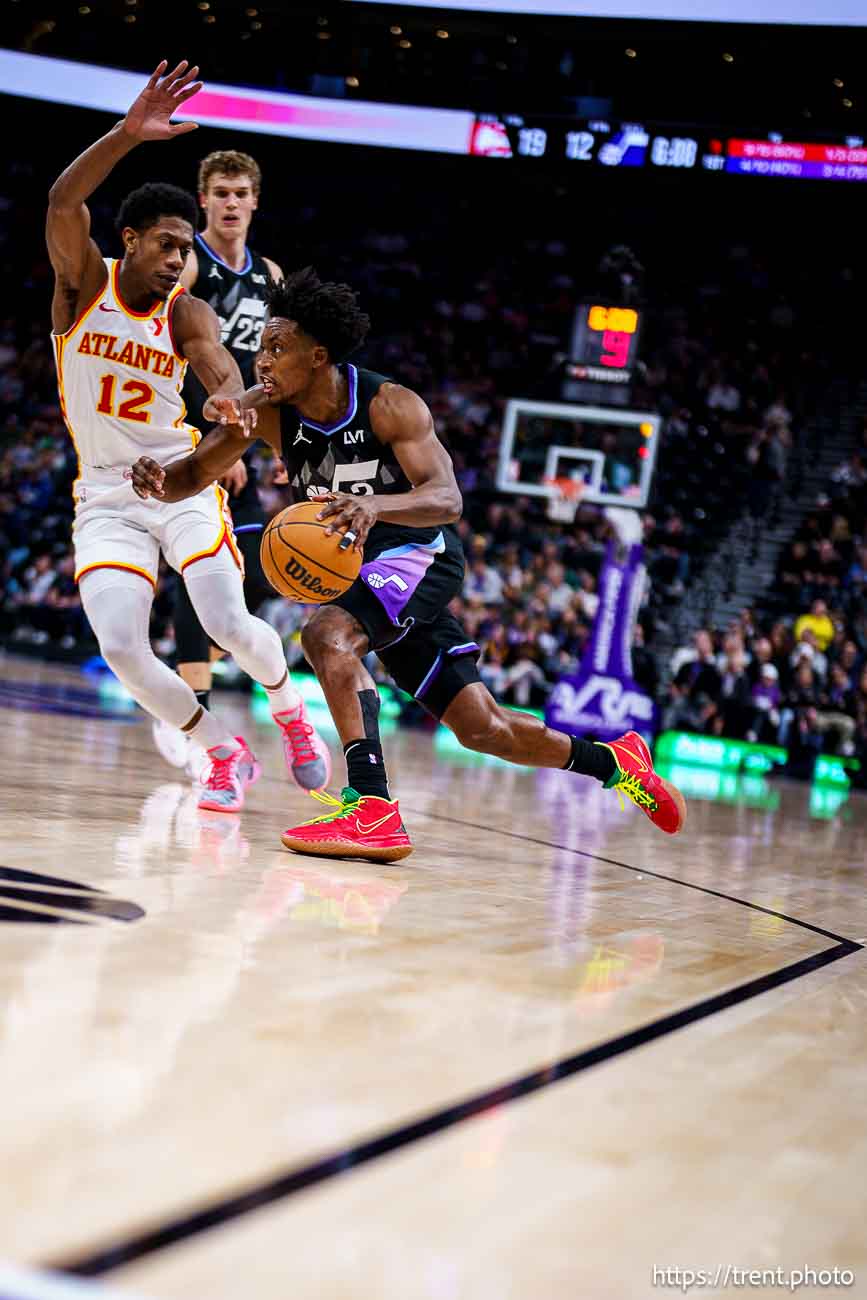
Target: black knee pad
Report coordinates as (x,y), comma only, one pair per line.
(191,639)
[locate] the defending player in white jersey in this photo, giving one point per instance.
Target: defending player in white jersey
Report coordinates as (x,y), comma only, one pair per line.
(232,278)
(124,332)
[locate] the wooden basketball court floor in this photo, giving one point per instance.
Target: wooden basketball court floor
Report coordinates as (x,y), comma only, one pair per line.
(551,1052)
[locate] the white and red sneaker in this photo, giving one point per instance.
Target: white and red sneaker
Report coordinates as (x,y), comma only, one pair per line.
(230,773)
(179,749)
(308,759)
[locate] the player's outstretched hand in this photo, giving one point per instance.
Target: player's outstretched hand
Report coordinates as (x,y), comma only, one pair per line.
(354,516)
(147,478)
(219,409)
(150,116)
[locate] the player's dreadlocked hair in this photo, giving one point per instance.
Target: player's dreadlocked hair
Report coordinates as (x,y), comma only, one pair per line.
(143,207)
(328,312)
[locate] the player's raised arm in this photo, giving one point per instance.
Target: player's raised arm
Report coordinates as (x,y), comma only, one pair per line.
(77,262)
(402,420)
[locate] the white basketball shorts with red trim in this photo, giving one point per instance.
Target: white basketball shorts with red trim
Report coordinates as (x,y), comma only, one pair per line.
(115,529)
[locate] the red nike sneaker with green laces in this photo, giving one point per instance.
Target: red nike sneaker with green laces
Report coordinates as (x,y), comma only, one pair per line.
(634,777)
(358,826)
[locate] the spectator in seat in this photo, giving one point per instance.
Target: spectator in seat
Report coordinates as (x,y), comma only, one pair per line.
(561,594)
(783,643)
(850,659)
(762,656)
(644,669)
(791,572)
(798,716)
(696,687)
(735,697)
(806,651)
(819,623)
(765,698)
(825,568)
(850,475)
(855,581)
(483,585)
(723,396)
(701,650)
(836,712)
(587,599)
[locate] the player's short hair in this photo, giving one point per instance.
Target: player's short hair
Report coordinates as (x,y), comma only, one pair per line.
(328,312)
(229,162)
(143,207)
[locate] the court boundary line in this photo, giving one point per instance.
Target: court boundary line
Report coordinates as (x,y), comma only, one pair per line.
(641,871)
(280,1186)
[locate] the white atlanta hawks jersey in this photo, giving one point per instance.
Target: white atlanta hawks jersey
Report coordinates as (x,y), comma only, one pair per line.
(120,378)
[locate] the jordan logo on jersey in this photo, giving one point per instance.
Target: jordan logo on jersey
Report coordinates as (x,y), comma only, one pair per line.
(299,437)
(214,273)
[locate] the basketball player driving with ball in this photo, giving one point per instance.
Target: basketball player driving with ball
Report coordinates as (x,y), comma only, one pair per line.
(124,333)
(367,450)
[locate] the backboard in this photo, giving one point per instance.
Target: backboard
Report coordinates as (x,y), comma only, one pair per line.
(612,450)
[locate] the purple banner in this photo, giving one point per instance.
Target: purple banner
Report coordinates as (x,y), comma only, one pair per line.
(798,169)
(601,697)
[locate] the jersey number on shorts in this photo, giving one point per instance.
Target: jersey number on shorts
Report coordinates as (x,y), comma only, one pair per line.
(141,396)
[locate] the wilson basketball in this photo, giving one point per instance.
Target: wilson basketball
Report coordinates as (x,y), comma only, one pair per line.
(301,562)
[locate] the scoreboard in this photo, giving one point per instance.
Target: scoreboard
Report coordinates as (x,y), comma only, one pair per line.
(598,142)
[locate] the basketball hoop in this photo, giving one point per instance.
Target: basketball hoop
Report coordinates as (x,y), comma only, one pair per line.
(562,506)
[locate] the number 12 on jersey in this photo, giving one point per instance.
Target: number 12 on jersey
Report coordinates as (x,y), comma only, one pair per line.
(134,408)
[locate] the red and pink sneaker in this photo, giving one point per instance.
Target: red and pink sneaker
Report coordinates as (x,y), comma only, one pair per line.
(634,776)
(230,773)
(358,826)
(308,758)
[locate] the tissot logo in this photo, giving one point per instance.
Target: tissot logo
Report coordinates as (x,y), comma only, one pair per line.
(28,896)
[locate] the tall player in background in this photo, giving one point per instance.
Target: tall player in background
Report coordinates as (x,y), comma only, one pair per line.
(124,333)
(232,279)
(339,427)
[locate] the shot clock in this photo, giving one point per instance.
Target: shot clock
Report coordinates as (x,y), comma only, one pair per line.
(604,345)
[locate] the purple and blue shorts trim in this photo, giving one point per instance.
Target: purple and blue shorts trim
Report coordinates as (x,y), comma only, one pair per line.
(401,600)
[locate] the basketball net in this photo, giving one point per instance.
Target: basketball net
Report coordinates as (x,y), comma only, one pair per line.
(562,507)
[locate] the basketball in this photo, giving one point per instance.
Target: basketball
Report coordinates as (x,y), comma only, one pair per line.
(303,563)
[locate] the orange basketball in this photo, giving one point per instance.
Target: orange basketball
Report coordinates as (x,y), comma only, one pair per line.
(302,563)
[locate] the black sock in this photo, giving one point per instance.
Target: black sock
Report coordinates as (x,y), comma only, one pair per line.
(590,759)
(365,767)
(203,698)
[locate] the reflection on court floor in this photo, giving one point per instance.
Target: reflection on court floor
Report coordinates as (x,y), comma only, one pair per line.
(513,1065)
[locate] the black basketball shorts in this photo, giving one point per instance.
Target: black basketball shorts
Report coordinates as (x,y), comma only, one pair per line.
(400,598)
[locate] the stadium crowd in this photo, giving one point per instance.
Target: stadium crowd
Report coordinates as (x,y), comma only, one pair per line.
(795,672)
